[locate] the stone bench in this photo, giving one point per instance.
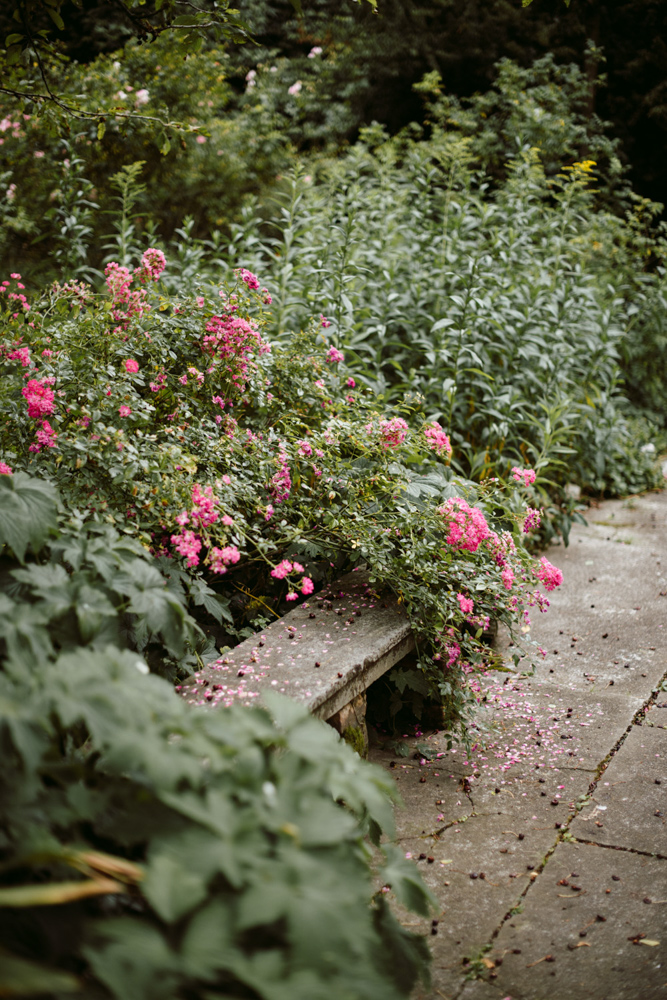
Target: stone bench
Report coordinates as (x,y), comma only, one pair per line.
(324,653)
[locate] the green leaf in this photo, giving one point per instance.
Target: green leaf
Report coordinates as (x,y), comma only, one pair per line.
(171,890)
(28,510)
(19,978)
(56,18)
(263,903)
(101,129)
(402,875)
(13,39)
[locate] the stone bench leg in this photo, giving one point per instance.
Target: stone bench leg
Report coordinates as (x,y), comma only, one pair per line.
(350,722)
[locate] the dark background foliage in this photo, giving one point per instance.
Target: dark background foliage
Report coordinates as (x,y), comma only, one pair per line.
(387,52)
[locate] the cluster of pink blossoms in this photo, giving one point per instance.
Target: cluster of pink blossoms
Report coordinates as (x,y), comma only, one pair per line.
(467,525)
(131,366)
(284,568)
(125,303)
(159,384)
(188,545)
(21,354)
(153,263)
(334,355)
(281,483)
(203,506)
(550,575)
(465,604)
(233,341)
(532,519)
(5,470)
(392,432)
(18,297)
(46,437)
(220,559)
(250,279)
(40,397)
(527,475)
(437,439)
(202,515)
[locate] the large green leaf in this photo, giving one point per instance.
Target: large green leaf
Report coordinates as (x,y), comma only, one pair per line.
(28,509)
(19,978)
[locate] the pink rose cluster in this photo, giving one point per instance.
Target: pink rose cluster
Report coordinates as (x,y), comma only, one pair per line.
(284,568)
(222,558)
(467,525)
(40,397)
(131,366)
(125,303)
(233,341)
(250,279)
(281,483)
(528,476)
(532,519)
(465,604)
(202,515)
(335,356)
(203,506)
(21,354)
(437,439)
(392,432)
(17,297)
(550,575)
(5,470)
(46,437)
(153,263)
(188,545)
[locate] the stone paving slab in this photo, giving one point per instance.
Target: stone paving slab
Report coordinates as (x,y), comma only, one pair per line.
(593,958)
(629,805)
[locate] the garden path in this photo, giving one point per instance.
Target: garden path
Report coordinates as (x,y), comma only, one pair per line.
(548,849)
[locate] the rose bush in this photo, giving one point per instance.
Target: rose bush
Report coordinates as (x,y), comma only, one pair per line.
(254,471)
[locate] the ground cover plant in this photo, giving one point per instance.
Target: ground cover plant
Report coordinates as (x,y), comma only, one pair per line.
(152,850)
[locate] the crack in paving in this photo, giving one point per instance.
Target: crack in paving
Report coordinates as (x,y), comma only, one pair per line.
(619,847)
(564,835)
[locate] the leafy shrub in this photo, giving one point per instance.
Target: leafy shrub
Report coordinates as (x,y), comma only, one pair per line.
(148,848)
(254,472)
(203,164)
(500,309)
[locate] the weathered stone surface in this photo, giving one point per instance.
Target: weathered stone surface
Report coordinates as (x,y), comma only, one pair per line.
(593,958)
(350,722)
(323,654)
(629,805)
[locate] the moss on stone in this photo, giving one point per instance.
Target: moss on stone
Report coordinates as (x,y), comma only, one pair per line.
(354,737)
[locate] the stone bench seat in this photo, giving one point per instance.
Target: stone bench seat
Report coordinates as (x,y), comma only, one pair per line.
(324,653)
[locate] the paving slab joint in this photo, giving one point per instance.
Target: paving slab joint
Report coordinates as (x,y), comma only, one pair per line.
(564,835)
(619,847)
